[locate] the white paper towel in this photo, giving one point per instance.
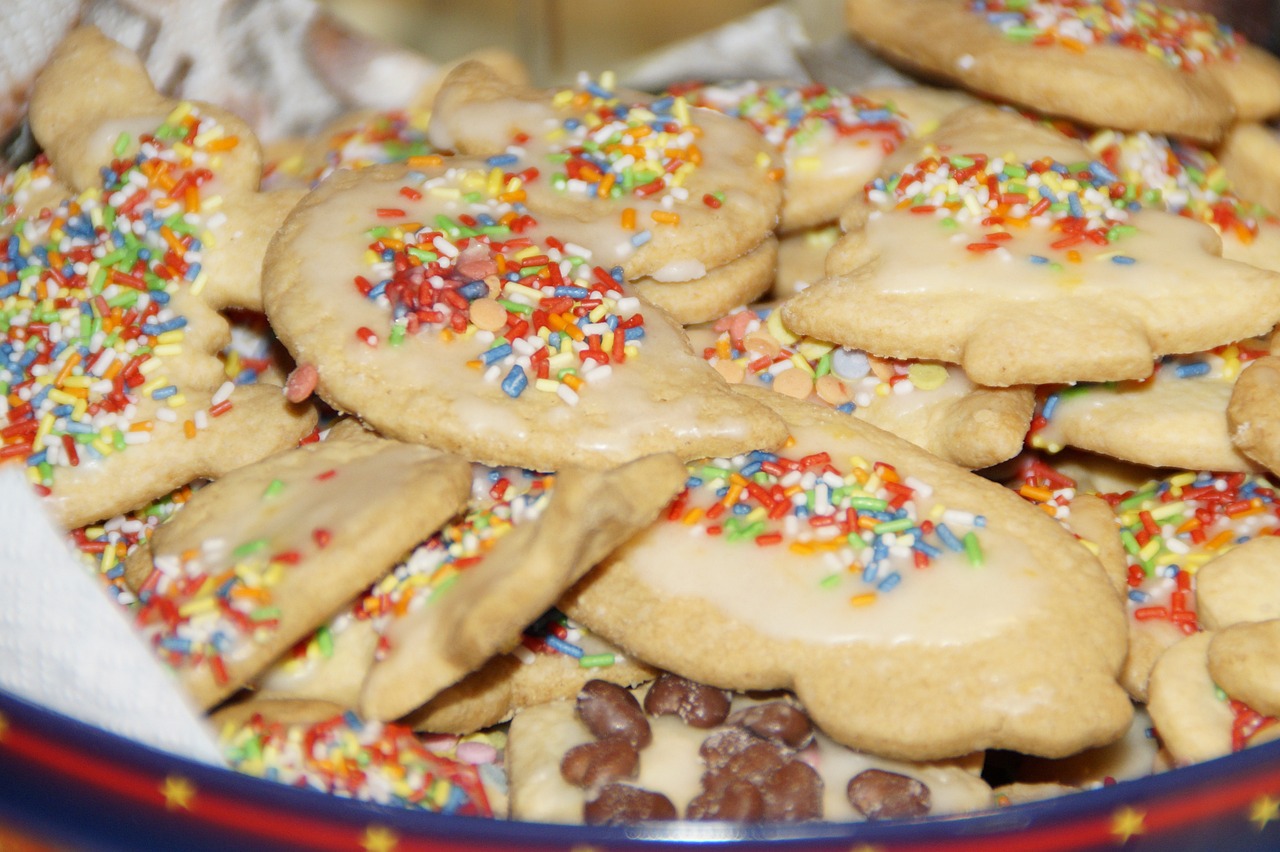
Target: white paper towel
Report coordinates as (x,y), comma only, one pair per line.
(65,645)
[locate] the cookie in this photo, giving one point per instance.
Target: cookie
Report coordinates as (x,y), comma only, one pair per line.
(930,404)
(831,142)
(1074,285)
(679,749)
(1173,530)
(1182,407)
(1127,759)
(445,312)
(114,391)
(1252,416)
(796,586)
(802,260)
(664,190)
(256,560)
(1250,158)
(1244,659)
(1182,72)
(1241,585)
(1195,720)
(464,594)
(567,657)
(716,293)
(317,746)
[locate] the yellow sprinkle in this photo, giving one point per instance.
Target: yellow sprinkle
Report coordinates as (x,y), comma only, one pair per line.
(863,599)
(762,160)
(548,385)
(927,376)
(174,336)
(808,164)
(494,185)
(176,401)
(799,361)
(198,605)
(167,349)
(61,397)
(198,284)
(882,389)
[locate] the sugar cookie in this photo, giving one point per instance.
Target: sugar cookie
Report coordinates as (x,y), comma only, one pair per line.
(774,602)
(1244,659)
(1090,289)
(1252,415)
(1251,158)
(716,293)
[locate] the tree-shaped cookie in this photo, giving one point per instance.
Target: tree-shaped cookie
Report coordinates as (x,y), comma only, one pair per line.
(1007,248)
(113,391)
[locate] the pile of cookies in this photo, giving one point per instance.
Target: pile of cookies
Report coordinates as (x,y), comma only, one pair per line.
(609,456)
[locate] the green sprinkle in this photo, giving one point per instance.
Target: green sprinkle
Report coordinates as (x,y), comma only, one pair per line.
(897,525)
(274,489)
(122,144)
(265,613)
(249,548)
(868,504)
(596,661)
(829,582)
(973,549)
(396,337)
(515,307)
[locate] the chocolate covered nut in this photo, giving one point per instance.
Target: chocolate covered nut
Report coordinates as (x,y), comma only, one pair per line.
(738,801)
(793,793)
(608,710)
(697,705)
(776,722)
(619,803)
(877,794)
(600,761)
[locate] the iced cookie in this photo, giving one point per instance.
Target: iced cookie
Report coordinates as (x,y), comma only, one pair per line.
(256,560)
(1053,277)
(679,749)
(1196,721)
(1130,64)
(930,404)
(831,142)
(1173,530)
(662,189)
(1181,407)
(1251,157)
(316,746)
(444,311)
(1244,659)
(114,394)
(1252,414)
(716,293)
(555,658)
(851,551)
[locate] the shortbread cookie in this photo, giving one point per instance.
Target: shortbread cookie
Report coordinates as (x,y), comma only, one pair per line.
(930,404)
(1241,585)
(568,656)
(258,559)
(1176,417)
(1131,64)
(1050,279)
(1244,660)
(802,260)
(1251,158)
(663,189)
(1173,530)
(887,566)
(1252,414)
(1195,720)
(115,394)
(445,312)
(464,594)
(831,142)
(719,291)
(313,745)
(679,749)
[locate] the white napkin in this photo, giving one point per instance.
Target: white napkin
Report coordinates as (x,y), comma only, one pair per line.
(65,645)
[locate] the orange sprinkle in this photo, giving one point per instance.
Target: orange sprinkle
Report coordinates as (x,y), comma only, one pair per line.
(665,217)
(863,599)
(693,154)
(1219,540)
(224,143)
(142,426)
(628,219)
(574,383)
(775,175)
(512,196)
(189,428)
(691,517)
(605,186)
(172,239)
(67,367)
(425,161)
(191,198)
(1036,493)
(1072,44)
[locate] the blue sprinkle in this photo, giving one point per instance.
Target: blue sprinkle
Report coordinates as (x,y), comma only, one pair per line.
(741,509)
(1101,172)
(1189,370)
(927,549)
(566,648)
(640,238)
(616,274)
(693,482)
(949,538)
(496,354)
(515,382)
(37,458)
(869,572)
(889,582)
(501,160)
(1123,260)
(1138,596)
(747,469)
(846,408)
(573,292)
(1050,405)
(193,271)
(634,333)
(160,297)
(164,392)
(473,290)
(1035,258)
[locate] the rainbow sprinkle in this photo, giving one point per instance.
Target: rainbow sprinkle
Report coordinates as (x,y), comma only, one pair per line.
(368,761)
(866,524)
(755,346)
(795,118)
(1180,38)
(1084,202)
(548,319)
(556,633)
(84,299)
(385,137)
